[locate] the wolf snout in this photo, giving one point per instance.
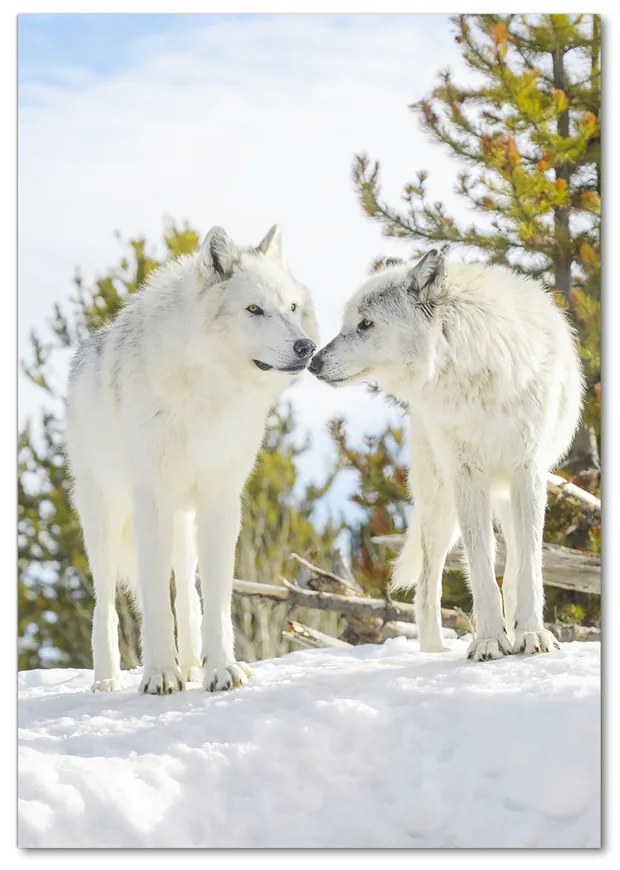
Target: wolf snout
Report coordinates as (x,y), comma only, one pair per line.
(304,348)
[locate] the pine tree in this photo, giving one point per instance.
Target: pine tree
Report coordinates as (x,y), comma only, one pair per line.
(55,587)
(527,132)
(380,495)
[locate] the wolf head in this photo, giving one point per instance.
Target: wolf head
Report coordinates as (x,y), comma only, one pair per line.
(390,325)
(258,315)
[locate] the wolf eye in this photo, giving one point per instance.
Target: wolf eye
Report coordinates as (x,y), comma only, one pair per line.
(254,309)
(364,325)
(293,306)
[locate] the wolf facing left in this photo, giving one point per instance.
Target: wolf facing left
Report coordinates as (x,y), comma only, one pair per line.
(166,412)
(488,366)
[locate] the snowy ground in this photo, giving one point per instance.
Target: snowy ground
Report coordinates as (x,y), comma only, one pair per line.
(379,746)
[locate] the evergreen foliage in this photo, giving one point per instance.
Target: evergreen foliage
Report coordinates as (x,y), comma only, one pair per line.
(527,133)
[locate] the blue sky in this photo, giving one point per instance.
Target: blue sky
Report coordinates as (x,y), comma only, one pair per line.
(51,44)
(99,44)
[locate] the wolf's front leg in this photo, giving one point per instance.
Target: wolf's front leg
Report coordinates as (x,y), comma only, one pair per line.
(474,515)
(187,602)
(218,520)
(528,500)
(153,532)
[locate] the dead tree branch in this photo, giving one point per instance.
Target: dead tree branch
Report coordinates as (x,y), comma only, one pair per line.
(561,487)
(562,567)
(395,617)
(347,605)
(312,638)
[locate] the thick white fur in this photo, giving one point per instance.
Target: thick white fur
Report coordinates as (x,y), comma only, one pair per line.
(487,365)
(166,412)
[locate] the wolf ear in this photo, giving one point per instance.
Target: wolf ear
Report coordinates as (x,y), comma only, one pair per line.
(271,245)
(427,276)
(218,253)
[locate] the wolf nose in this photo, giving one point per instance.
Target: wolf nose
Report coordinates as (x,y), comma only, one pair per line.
(316,364)
(304,348)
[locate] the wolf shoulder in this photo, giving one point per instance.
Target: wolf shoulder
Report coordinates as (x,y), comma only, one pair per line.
(506,296)
(512,314)
(147,333)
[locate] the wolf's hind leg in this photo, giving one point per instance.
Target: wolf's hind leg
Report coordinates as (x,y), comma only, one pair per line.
(102,538)
(503,512)
(432,531)
(529,497)
(187,601)
(439,531)
(153,535)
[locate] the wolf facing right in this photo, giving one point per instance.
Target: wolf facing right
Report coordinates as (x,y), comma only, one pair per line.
(488,367)
(166,412)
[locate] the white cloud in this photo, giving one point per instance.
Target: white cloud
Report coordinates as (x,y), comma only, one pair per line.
(242,123)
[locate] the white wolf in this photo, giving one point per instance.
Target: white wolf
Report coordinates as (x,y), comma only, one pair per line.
(487,365)
(166,412)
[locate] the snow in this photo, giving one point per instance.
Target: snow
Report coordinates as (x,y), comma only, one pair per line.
(376,746)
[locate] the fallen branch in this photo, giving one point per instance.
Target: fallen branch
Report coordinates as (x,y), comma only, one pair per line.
(312,638)
(358,629)
(398,613)
(560,486)
(260,590)
(326,581)
(347,605)
(563,567)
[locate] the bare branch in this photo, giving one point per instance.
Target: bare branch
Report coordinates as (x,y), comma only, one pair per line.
(347,605)
(563,567)
(311,637)
(559,486)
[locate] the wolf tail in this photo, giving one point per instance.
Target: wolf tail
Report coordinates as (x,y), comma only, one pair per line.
(407,567)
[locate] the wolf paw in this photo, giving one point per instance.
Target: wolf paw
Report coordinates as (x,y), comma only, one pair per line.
(432,646)
(531,642)
(113,684)
(225,677)
(161,682)
(487,648)
(191,673)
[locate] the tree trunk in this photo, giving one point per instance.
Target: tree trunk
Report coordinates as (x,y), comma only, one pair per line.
(584,452)
(563,256)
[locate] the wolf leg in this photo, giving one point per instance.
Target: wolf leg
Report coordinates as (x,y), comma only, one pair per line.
(503,512)
(153,533)
(186,602)
(102,539)
(432,531)
(529,498)
(218,521)
(474,514)
(439,531)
